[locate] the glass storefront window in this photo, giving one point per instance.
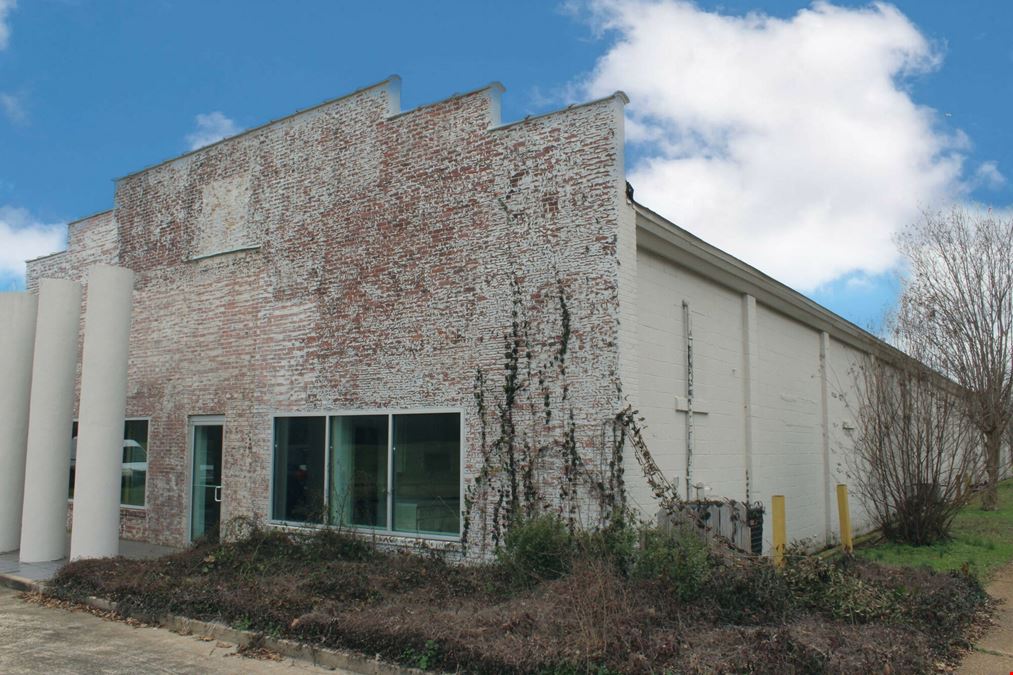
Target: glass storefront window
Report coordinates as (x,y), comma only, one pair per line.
(427,473)
(299,469)
(391,472)
(359,470)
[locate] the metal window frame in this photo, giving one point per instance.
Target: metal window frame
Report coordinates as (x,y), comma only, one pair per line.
(192,422)
(387,531)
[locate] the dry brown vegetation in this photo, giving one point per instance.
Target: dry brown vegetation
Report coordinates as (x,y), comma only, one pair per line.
(601,604)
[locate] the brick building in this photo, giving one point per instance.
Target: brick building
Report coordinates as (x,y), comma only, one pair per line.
(417,323)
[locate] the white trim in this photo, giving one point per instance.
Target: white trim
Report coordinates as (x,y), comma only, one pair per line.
(388,531)
(347,412)
(327,468)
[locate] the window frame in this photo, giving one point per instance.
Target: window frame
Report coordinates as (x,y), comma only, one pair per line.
(390,413)
(131,507)
(193,421)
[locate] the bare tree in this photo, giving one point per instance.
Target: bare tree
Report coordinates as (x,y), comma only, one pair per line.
(956,314)
(916,449)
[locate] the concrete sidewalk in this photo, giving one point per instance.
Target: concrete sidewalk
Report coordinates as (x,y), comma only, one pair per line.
(35,639)
(993,653)
(19,575)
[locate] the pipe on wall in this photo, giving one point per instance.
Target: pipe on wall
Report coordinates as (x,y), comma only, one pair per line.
(96,523)
(17,340)
(44,520)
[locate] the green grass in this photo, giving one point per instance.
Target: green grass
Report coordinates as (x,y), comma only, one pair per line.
(981,539)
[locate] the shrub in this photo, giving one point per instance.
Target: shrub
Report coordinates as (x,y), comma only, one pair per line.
(915,451)
(834,590)
(748,592)
(616,545)
(679,560)
(537,549)
(335,544)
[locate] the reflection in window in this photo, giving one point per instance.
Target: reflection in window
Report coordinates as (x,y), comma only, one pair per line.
(73,459)
(427,470)
(299,469)
(134,469)
(359,470)
(135,462)
(388,472)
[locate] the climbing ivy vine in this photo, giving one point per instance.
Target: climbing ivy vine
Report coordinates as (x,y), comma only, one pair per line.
(532,460)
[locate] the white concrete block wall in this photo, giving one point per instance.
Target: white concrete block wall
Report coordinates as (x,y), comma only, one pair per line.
(718,459)
(791,454)
(842,364)
(787,455)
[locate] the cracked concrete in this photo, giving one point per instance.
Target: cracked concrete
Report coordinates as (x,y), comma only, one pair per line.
(993,653)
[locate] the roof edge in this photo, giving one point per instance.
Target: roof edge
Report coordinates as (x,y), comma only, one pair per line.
(89,217)
(70,224)
(617,95)
(43,257)
(393,79)
(496,87)
(804,309)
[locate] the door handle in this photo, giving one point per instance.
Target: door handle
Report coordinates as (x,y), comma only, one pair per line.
(218,494)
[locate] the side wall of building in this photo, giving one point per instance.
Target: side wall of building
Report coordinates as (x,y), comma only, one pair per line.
(716,320)
(770,405)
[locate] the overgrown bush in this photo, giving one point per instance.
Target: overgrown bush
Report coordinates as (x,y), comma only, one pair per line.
(678,559)
(747,592)
(916,450)
(678,607)
(335,544)
(830,588)
(616,545)
(537,549)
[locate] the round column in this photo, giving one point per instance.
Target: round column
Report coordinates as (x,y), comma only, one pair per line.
(17,339)
(96,527)
(44,520)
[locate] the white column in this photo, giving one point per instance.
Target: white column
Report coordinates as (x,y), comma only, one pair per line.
(828,489)
(44,521)
(750,357)
(96,528)
(17,337)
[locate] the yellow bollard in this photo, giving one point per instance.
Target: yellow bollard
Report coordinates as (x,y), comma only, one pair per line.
(780,538)
(844,512)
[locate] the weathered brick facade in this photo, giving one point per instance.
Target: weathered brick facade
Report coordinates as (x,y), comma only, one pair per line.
(353,257)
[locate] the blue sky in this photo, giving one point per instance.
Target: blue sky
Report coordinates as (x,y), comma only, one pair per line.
(798,137)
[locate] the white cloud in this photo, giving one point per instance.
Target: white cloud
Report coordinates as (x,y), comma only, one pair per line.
(211,127)
(23,237)
(6,7)
(13,107)
(988,175)
(791,143)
